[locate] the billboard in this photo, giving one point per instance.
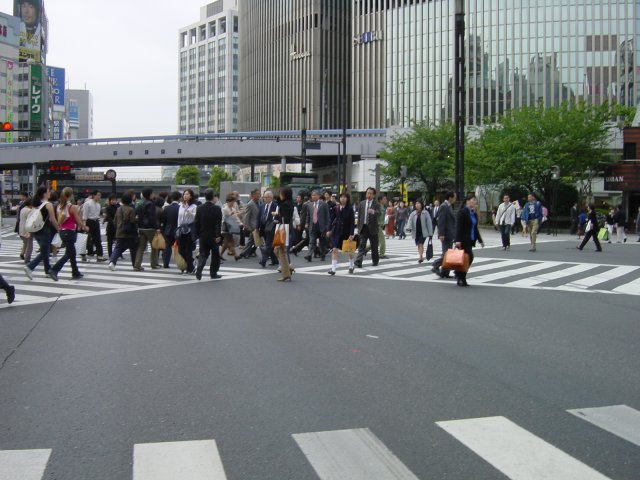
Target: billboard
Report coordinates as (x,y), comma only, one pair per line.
(9,29)
(58,130)
(31,13)
(74,114)
(35,97)
(56,81)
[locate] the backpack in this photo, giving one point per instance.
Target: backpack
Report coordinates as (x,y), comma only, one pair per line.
(35,219)
(143,214)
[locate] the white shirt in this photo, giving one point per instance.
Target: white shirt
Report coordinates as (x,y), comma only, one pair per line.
(186,214)
(91,210)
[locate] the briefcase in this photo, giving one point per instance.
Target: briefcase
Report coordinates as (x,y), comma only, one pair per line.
(257,239)
(456,260)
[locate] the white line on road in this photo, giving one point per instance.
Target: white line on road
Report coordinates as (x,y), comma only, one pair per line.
(517,453)
(512,273)
(545,277)
(620,420)
(23,464)
(351,454)
(601,277)
(195,460)
(632,288)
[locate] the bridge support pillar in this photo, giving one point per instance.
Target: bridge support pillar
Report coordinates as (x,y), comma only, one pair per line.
(253,172)
(283,164)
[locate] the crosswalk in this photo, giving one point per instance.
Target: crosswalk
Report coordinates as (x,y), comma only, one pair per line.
(99,281)
(358,453)
(505,273)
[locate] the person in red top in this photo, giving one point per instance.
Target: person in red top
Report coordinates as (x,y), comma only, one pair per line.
(69,221)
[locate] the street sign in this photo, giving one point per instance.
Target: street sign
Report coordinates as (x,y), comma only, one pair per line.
(90,177)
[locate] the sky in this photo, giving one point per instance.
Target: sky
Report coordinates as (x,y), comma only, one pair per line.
(126,54)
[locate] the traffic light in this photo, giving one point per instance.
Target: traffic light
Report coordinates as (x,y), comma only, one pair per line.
(7,126)
(555,172)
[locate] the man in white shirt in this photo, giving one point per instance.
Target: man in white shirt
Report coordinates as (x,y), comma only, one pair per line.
(505,220)
(91,211)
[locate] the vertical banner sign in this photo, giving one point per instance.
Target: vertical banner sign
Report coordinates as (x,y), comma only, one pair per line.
(74,114)
(35,98)
(30,13)
(56,80)
(58,130)
(8,137)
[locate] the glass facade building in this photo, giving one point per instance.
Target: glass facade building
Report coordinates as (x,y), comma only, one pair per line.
(517,53)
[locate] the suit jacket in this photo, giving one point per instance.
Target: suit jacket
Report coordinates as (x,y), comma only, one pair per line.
(446,222)
(304,214)
(463,230)
(372,221)
(170,219)
(208,222)
(324,217)
(250,219)
(269,224)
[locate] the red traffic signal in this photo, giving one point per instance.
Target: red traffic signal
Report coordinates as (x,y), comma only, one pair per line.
(6,126)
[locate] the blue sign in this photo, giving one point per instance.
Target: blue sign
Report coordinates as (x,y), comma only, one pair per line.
(74,114)
(58,130)
(56,80)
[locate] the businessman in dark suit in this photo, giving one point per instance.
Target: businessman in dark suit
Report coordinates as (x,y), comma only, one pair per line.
(368,227)
(169,225)
(267,226)
(208,224)
(446,232)
(318,223)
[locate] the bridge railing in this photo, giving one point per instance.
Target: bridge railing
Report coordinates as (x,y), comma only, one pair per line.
(285,135)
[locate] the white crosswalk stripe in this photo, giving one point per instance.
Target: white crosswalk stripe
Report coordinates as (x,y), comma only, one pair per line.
(98,280)
(358,453)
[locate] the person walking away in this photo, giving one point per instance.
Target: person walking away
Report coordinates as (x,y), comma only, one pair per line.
(342,229)
(169,225)
(23,199)
(250,223)
(318,223)
(610,223)
(532,216)
(402,214)
(185,232)
(69,221)
(368,214)
(620,223)
(591,229)
(284,217)
(91,211)
(126,232)
(208,224)
(421,227)
(390,220)
(382,212)
(230,226)
(26,237)
(110,219)
(467,233)
(446,232)
(302,229)
(148,226)
(505,220)
(43,236)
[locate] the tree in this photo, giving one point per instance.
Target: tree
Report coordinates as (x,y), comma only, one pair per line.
(427,151)
(188,175)
(524,144)
(275,182)
(218,175)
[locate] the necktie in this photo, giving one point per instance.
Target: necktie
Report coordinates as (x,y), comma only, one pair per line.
(366,213)
(266,211)
(315,212)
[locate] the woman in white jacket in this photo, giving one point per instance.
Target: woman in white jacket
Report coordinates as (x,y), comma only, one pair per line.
(26,237)
(421,227)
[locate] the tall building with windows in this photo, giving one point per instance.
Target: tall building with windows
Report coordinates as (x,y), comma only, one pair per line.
(79,111)
(516,53)
(295,57)
(208,70)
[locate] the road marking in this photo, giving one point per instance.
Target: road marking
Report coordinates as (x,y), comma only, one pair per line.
(351,454)
(602,277)
(620,420)
(194,460)
(512,273)
(545,277)
(408,271)
(514,451)
(632,288)
(492,266)
(23,464)
(33,286)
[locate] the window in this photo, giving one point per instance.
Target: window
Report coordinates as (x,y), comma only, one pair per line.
(223,25)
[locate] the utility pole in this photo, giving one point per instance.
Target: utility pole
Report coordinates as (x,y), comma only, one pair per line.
(459,98)
(303,139)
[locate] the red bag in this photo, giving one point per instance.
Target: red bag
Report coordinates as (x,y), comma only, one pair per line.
(456,260)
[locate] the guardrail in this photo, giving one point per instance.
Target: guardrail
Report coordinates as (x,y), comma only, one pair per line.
(286,135)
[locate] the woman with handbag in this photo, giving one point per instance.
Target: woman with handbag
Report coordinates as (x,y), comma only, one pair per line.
(467,234)
(69,221)
(281,239)
(341,231)
(44,235)
(421,227)
(591,229)
(186,231)
(230,227)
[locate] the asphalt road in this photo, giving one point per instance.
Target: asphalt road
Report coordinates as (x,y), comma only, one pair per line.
(250,362)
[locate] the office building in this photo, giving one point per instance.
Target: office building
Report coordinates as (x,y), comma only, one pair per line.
(79,109)
(294,58)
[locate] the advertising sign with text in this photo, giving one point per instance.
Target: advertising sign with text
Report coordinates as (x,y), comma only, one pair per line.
(35,97)
(56,80)
(31,37)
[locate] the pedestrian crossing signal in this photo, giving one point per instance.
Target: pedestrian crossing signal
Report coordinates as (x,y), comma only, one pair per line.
(7,127)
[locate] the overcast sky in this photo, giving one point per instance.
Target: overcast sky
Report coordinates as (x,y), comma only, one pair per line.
(126,54)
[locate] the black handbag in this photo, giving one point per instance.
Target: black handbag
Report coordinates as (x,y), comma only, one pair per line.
(429,250)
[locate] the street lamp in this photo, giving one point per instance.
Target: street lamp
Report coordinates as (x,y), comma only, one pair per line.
(303,139)
(459,97)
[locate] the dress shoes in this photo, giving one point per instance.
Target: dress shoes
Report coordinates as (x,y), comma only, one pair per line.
(216,276)
(308,258)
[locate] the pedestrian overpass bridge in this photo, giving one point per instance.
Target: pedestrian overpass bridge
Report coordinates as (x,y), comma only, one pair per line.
(242,148)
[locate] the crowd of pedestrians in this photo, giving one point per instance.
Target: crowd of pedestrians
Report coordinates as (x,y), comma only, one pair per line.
(267,228)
